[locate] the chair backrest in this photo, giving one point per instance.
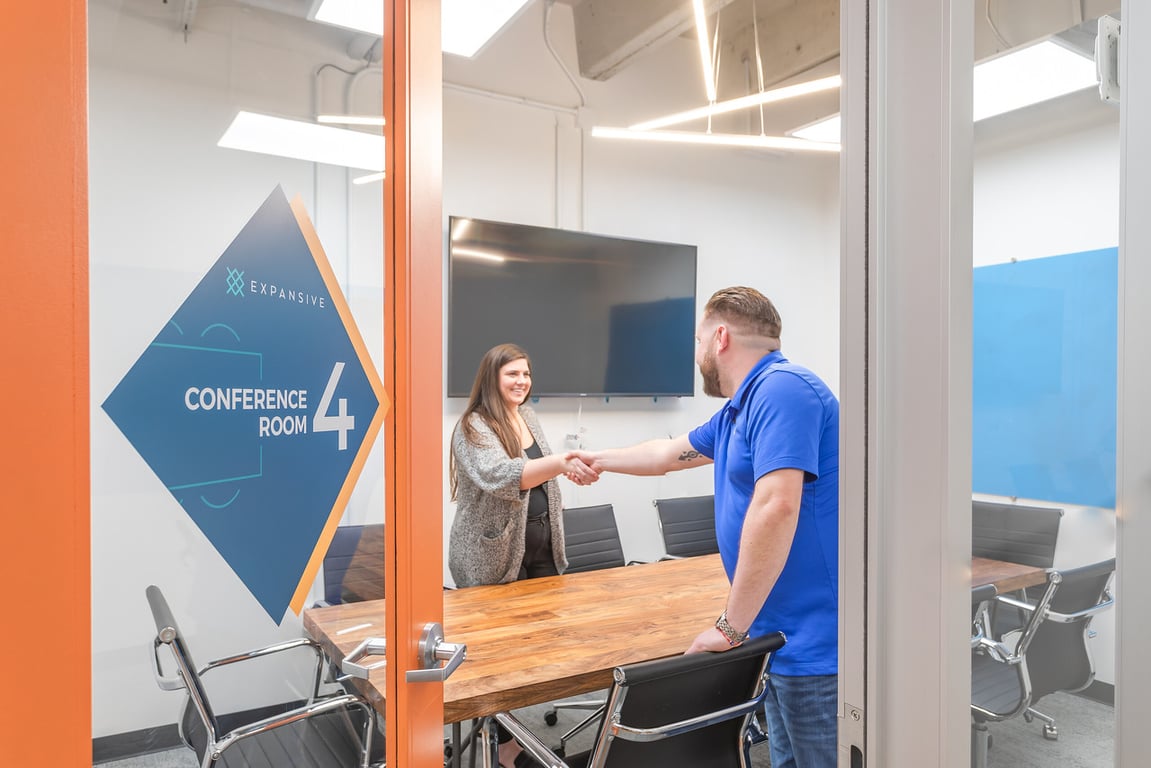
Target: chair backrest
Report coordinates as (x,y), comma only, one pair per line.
(198,722)
(354,564)
(687,524)
(691,709)
(1059,658)
(592,538)
(1015,533)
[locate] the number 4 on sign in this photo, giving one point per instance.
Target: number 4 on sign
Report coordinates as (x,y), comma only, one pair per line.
(341,423)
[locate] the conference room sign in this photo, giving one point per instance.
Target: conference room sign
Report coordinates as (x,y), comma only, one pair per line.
(257,404)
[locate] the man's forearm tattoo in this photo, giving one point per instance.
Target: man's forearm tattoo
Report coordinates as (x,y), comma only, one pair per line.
(689,455)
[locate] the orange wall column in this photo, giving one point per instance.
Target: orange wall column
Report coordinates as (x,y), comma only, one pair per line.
(45,643)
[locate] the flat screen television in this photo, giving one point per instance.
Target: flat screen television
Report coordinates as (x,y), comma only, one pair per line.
(598,315)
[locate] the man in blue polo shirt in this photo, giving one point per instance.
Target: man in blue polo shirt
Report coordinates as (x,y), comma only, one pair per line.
(775,447)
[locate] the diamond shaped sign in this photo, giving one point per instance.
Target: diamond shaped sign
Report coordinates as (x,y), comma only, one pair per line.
(256,405)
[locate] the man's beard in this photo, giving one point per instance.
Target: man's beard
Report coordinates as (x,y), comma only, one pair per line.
(710,372)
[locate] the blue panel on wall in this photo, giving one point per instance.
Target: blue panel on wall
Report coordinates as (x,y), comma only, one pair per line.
(1044,360)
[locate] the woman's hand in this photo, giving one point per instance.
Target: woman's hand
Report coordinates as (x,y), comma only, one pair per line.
(576,470)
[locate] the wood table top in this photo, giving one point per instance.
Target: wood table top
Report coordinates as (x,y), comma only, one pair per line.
(1007,577)
(543,639)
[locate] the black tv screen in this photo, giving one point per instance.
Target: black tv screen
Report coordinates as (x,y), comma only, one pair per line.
(597,315)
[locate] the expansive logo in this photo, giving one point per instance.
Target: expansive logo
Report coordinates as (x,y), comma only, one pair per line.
(258,414)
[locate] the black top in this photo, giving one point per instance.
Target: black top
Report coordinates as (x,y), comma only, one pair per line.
(538,496)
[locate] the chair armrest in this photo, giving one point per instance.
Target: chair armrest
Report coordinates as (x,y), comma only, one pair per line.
(287,645)
(1069,618)
(346,701)
(531,743)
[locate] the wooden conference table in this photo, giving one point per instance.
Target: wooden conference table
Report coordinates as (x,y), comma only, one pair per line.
(544,639)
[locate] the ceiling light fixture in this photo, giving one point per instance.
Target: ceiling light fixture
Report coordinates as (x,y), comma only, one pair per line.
(350,119)
(350,14)
(704,50)
(304,140)
(1019,79)
(1028,76)
(724,139)
(743,102)
(466,25)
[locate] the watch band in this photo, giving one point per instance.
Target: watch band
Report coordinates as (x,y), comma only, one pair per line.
(733,636)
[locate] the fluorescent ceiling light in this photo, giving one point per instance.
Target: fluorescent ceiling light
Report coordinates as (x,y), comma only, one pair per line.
(704,50)
(743,102)
(360,15)
(350,119)
(465,24)
(726,139)
(826,129)
(1028,76)
(304,141)
(370,178)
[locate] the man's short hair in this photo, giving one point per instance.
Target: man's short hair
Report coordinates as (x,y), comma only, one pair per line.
(747,310)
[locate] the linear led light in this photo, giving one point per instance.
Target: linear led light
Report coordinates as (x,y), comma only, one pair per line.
(466,25)
(743,102)
(350,119)
(725,139)
(304,141)
(479,255)
(704,50)
(1028,76)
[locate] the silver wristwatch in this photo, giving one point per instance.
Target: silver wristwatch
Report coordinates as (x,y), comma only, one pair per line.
(729,632)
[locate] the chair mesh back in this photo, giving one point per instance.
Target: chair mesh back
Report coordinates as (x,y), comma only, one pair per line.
(1058,658)
(1014,533)
(688,525)
(193,724)
(666,691)
(592,538)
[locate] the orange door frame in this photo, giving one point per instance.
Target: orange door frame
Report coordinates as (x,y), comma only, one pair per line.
(45,667)
(413,256)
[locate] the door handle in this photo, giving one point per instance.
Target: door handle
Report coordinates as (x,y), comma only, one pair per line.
(371,646)
(432,650)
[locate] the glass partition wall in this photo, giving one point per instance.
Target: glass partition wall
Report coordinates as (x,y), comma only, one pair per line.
(236,341)
(1044,362)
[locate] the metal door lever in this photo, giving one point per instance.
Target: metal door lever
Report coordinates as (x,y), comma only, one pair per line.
(371,646)
(432,650)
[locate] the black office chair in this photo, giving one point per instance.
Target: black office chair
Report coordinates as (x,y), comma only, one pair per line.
(1000,685)
(353,565)
(1015,533)
(1059,658)
(333,732)
(687,525)
(592,538)
(692,709)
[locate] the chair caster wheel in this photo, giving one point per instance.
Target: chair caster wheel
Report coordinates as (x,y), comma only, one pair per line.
(560,751)
(1051,733)
(551,718)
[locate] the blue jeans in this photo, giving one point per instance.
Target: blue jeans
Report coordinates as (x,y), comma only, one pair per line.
(802,726)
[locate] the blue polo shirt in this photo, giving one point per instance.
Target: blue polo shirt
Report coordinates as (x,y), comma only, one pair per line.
(784,417)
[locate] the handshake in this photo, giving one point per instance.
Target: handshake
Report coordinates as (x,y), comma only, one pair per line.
(581,467)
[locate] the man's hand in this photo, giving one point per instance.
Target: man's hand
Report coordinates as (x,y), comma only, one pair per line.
(577,469)
(711,639)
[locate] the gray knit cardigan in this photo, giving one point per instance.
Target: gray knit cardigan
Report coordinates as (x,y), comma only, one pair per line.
(487,538)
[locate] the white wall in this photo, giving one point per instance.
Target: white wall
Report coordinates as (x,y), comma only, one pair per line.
(165,202)
(1048,184)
